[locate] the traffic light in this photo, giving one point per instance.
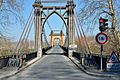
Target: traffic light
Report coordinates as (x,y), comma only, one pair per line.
(103,25)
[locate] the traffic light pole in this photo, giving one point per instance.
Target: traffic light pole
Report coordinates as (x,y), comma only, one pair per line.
(102,23)
(101,59)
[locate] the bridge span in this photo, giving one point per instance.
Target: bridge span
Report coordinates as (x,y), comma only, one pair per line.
(53,67)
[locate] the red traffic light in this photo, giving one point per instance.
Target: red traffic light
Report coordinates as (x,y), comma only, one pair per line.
(103,25)
(101,20)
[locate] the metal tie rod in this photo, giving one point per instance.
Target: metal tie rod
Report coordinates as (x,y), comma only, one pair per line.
(53,1)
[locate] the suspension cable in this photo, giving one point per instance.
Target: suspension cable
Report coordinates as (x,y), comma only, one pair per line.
(19,44)
(83,32)
(25,34)
(28,32)
(23,31)
(45,37)
(80,33)
(79,42)
(49,25)
(47,22)
(66,40)
(62,27)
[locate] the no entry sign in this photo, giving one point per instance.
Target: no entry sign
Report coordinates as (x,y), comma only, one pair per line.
(101,38)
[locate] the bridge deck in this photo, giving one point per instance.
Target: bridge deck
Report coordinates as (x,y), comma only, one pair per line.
(53,67)
(55,50)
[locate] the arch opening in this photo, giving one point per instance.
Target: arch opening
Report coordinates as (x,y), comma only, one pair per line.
(57,41)
(58,22)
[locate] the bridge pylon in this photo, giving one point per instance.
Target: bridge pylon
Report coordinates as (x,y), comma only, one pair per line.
(38,27)
(71,27)
(42,13)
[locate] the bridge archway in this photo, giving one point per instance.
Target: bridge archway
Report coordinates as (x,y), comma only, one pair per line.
(61,20)
(55,12)
(56,41)
(58,36)
(42,13)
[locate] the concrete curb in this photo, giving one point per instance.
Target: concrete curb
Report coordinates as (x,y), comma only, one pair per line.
(21,69)
(76,62)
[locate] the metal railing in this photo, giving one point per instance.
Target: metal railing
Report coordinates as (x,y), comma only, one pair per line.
(8,61)
(90,60)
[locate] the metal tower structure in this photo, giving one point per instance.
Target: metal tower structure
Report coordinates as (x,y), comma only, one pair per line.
(42,13)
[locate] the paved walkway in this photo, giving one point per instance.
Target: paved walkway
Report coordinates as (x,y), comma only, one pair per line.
(95,72)
(55,67)
(7,72)
(55,50)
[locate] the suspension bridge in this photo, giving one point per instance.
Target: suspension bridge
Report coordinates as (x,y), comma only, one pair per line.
(51,59)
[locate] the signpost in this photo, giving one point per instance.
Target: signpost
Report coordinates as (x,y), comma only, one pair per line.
(101,38)
(113,63)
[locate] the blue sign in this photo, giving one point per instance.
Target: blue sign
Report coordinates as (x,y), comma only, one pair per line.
(113,63)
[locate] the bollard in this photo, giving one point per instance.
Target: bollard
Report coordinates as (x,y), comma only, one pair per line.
(24,61)
(83,59)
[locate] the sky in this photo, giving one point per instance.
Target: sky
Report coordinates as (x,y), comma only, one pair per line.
(54,20)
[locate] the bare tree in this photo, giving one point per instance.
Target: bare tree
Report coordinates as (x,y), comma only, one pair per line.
(6,47)
(9,14)
(91,10)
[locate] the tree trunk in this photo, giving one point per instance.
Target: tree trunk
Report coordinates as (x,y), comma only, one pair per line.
(114,27)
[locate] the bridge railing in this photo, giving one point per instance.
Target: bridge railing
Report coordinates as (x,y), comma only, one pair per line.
(90,60)
(30,56)
(65,49)
(45,49)
(5,59)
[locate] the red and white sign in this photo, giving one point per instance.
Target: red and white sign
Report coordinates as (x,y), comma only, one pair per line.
(101,38)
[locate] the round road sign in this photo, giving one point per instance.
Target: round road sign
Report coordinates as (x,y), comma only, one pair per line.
(101,38)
